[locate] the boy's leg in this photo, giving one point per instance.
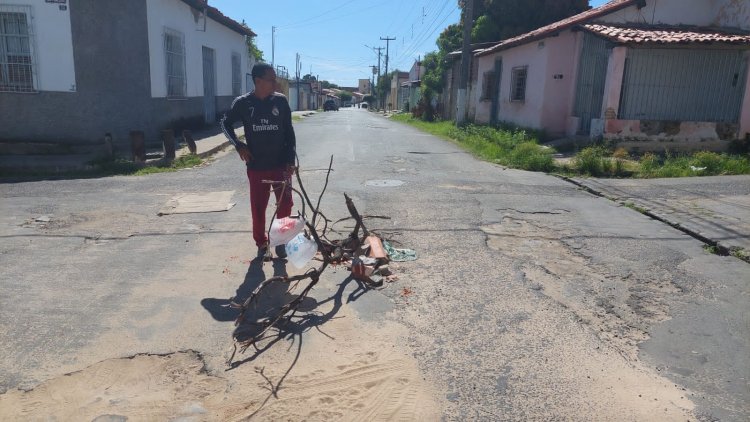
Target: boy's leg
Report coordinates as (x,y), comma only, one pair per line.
(283,195)
(259,194)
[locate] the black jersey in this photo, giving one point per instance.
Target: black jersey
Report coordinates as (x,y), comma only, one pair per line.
(268,130)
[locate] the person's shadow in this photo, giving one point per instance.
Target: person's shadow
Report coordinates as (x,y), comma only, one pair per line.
(271,298)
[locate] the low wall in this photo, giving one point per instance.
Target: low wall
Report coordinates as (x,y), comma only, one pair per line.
(660,135)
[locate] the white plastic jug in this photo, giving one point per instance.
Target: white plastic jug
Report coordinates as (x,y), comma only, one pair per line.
(300,250)
(284,230)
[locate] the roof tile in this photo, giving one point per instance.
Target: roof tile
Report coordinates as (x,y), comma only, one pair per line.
(560,25)
(665,35)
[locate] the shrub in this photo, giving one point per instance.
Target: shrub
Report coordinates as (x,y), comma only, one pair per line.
(593,161)
(649,163)
(711,162)
(530,156)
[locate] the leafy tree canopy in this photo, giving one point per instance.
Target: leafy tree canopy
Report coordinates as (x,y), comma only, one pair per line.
(328,85)
(501,19)
(450,39)
(432,80)
(252,48)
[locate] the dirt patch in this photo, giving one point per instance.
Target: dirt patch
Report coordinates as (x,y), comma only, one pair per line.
(140,387)
(177,385)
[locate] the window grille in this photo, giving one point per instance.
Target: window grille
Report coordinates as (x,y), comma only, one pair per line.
(236,81)
(174,48)
(17,66)
(518,84)
(488,83)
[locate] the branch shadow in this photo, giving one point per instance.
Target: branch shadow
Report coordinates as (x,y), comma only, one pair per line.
(272,298)
(293,328)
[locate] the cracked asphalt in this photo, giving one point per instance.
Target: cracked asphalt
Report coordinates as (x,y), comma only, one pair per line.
(531,299)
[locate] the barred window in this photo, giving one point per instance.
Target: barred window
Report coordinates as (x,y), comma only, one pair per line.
(236,80)
(17,69)
(518,84)
(488,86)
(174,48)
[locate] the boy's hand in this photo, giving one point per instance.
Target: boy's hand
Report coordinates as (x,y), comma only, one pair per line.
(244,152)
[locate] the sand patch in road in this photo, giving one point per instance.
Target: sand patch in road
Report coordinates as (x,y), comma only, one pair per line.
(350,372)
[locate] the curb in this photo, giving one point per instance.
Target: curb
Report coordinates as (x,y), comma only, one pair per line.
(642,208)
(214,150)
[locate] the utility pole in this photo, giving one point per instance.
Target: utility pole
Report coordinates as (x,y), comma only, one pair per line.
(465,63)
(386,39)
(273,44)
(374,72)
(298,69)
(377,80)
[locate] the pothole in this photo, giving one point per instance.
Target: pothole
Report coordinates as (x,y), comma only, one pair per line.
(387,183)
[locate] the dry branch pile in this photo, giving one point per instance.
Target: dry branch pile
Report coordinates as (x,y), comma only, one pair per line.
(361,251)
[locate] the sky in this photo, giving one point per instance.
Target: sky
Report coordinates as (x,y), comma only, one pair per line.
(336,38)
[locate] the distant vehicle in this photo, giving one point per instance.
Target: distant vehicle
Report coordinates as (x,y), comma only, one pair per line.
(330,105)
(363,105)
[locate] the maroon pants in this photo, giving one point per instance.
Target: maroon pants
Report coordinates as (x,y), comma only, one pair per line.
(260,193)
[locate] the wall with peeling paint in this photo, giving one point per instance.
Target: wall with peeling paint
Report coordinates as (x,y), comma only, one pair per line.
(660,135)
(731,13)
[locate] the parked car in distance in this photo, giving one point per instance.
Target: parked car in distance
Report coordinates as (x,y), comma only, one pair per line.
(330,105)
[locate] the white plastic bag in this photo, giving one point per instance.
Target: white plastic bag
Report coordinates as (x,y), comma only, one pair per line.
(300,250)
(284,230)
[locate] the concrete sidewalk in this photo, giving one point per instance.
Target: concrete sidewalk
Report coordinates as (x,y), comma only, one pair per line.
(714,209)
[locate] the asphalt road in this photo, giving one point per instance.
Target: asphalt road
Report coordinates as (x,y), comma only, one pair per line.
(531,298)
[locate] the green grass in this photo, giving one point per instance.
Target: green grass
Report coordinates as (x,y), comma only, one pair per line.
(512,148)
(702,163)
(740,253)
(119,166)
(632,206)
(106,167)
(519,148)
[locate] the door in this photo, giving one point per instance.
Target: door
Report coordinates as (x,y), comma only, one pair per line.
(592,75)
(496,91)
(209,86)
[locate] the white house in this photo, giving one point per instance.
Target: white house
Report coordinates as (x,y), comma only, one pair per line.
(639,72)
(73,70)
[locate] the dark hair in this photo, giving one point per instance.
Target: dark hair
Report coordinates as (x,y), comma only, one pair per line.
(260,69)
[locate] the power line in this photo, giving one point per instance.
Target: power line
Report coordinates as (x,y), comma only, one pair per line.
(317,16)
(414,46)
(305,23)
(426,33)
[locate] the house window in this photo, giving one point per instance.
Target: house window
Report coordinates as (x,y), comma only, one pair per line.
(17,69)
(236,80)
(518,84)
(488,85)
(174,48)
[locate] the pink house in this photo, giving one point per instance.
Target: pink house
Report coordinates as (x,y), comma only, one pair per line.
(637,72)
